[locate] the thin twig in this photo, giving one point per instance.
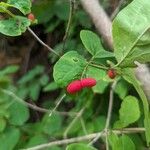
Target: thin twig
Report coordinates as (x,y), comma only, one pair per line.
(41,42)
(73,122)
(83,126)
(69,22)
(34,107)
(57,104)
(98,66)
(85,68)
(86,137)
(108,116)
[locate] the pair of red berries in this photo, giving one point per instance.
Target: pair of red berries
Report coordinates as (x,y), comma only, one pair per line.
(78,85)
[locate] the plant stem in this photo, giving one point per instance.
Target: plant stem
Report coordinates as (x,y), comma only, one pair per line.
(69,22)
(108,117)
(98,66)
(85,138)
(73,122)
(41,42)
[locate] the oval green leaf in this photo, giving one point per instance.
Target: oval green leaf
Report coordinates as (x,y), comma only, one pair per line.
(69,67)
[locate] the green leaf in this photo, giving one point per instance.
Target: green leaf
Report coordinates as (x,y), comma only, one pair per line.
(69,67)
(114,141)
(93,44)
(62,10)
(9,69)
(121,143)
(127,143)
(14,26)
(127,114)
(100,87)
(51,87)
(19,113)
(4,6)
(23,5)
(79,146)
(131,35)
(128,75)
(96,73)
(44,80)
(4,81)
(121,89)
(9,138)
(31,74)
(99,75)
(2,124)
(36,140)
(34,90)
(52,124)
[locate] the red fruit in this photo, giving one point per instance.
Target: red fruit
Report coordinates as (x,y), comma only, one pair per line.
(88,82)
(31,17)
(74,87)
(111,73)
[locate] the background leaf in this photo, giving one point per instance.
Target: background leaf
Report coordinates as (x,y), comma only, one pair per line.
(19,113)
(121,143)
(9,138)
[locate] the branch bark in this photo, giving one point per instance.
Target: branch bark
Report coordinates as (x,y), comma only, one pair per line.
(104,27)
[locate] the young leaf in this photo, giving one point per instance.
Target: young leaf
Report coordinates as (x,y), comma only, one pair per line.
(126,143)
(128,75)
(70,66)
(93,44)
(14,26)
(127,114)
(23,5)
(79,146)
(114,141)
(121,143)
(131,33)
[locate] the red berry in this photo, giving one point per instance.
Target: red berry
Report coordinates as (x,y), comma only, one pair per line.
(88,82)
(111,73)
(31,17)
(74,87)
